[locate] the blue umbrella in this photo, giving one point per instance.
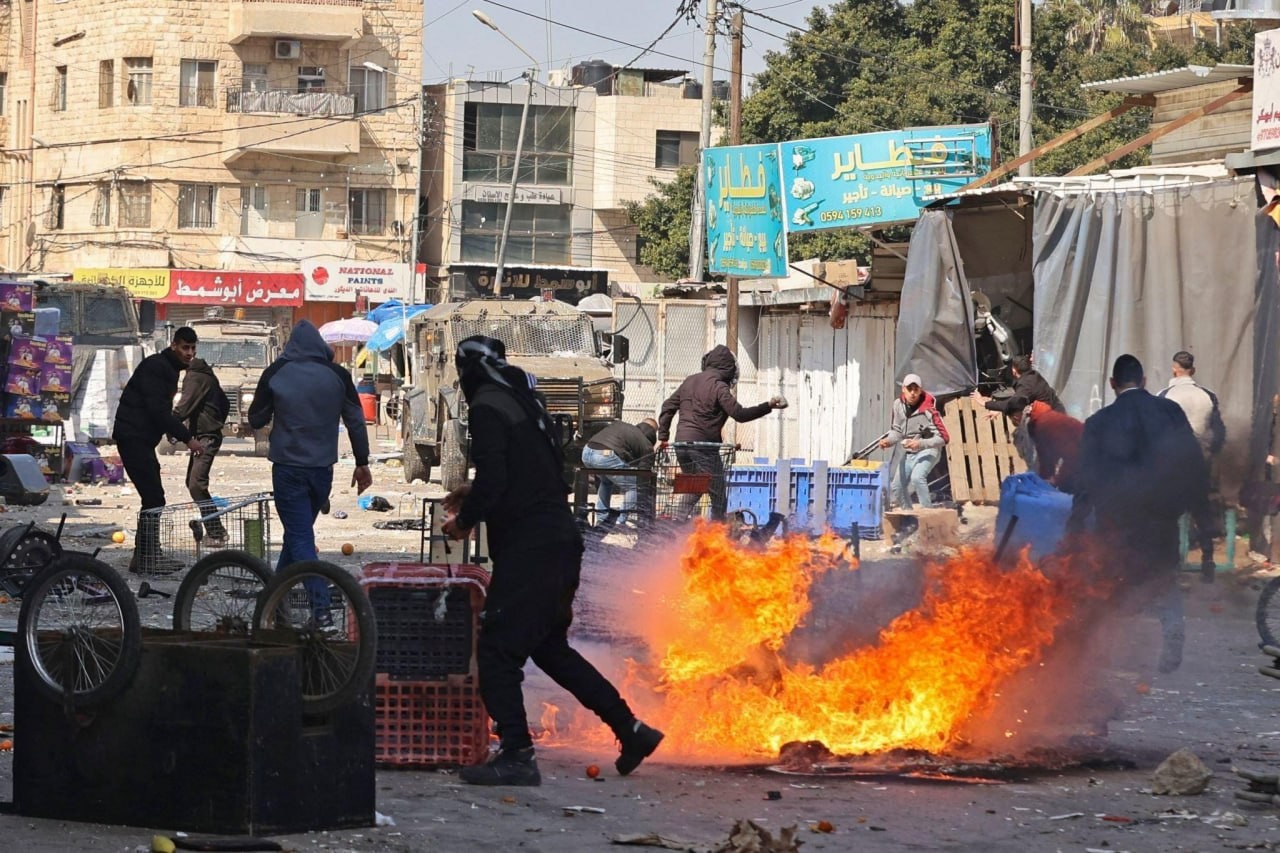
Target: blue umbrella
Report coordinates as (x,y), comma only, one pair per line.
(393,308)
(390,332)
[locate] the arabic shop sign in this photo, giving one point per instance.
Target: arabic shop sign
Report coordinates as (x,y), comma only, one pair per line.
(878,178)
(744,211)
(142,283)
(334,280)
(498,194)
(224,287)
(1266,91)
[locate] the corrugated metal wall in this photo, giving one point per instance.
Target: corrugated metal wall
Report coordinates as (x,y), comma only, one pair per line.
(839,384)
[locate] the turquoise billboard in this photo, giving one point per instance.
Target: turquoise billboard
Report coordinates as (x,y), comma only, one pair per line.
(744,211)
(878,178)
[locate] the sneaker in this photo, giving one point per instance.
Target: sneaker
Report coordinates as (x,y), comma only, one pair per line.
(638,745)
(508,767)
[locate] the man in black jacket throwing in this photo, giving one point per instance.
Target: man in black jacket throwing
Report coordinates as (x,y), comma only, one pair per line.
(705,403)
(519,492)
(145,414)
(203,407)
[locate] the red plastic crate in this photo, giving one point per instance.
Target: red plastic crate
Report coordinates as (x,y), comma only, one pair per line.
(430,723)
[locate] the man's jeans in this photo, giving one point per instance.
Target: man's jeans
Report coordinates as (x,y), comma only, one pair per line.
(299,494)
(608,484)
(911,473)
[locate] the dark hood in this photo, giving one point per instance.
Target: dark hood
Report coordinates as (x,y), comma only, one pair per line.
(721,360)
(199,365)
(305,344)
(650,434)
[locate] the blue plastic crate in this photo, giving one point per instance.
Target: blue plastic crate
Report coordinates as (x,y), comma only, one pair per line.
(854,496)
(1042,513)
(753,487)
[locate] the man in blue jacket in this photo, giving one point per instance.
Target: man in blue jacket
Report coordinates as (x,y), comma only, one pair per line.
(304,394)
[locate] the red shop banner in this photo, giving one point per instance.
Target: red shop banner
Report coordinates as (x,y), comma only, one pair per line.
(228,287)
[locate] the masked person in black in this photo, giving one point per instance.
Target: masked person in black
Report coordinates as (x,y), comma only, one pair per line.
(519,492)
(204,406)
(144,415)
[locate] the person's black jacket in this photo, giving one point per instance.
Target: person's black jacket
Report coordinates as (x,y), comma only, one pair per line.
(1140,464)
(519,489)
(632,443)
(203,405)
(705,402)
(145,412)
(1027,389)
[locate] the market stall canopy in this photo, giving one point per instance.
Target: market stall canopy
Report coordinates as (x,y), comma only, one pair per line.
(353,330)
(393,308)
(392,330)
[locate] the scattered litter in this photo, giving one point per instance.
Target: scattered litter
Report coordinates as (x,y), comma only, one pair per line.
(806,787)
(88,501)
(1227,820)
(653,839)
(380,819)
(374,503)
(748,836)
(582,810)
(773,795)
(1067,816)
(339,514)
(823,826)
(399,524)
(1115,818)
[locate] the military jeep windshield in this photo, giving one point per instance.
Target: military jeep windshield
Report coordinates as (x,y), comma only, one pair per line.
(224,352)
(536,334)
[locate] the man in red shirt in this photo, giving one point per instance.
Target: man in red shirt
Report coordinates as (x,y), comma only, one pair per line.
(1057,437)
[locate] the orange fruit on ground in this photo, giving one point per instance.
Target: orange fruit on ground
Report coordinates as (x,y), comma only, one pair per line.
(117,537)
(1143,688)
(348,549)
(592,771)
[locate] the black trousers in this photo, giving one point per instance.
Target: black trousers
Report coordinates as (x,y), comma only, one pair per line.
(527,616)
(705,460)
(143,468)
(198,482)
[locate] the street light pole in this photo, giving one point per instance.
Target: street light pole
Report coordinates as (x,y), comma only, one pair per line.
(420,145)
(529,77)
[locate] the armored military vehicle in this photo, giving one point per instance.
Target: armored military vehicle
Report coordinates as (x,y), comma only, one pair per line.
(238,351)
(554,341)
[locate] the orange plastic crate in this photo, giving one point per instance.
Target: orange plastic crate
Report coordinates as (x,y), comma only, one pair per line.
(430,723)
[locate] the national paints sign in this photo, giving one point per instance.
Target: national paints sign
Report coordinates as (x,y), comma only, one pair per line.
(1265,131)
(878,178)
(343,281)
(142,283)
(744,211)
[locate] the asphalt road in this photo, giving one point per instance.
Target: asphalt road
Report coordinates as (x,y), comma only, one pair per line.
(1216,704)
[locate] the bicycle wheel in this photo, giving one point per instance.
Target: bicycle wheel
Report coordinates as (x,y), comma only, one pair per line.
(323,608)
(1268,613)
(220,593)
(80,630)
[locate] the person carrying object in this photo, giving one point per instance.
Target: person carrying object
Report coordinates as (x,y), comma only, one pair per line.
(705,402)
(620,445)
(917,426)
(203,406)
(519,493)
(143,417)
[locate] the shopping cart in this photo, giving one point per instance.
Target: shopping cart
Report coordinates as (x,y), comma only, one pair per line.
(173,538)
(692,479)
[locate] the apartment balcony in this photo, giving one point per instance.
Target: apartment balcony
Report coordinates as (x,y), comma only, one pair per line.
(286,122)
(322,20)
(313,104)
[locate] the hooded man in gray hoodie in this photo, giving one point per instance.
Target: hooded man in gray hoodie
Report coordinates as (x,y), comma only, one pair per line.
(303,394)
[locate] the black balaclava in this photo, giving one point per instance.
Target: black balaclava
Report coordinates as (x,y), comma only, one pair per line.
(482,361)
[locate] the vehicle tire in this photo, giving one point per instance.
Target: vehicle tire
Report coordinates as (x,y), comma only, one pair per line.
(29,549)
(1267,615)
(220,593)
(80,632)
(338,637)
(416,466)
(453,458)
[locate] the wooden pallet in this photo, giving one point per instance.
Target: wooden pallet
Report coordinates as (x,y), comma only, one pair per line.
(980,453)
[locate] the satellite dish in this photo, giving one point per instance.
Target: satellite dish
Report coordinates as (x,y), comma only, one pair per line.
(31,234)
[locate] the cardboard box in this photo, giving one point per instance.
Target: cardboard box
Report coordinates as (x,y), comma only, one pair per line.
(23,408)
(22,381)
(55,378)
(17,296)
(17,323)
(54,407)
(58,351)
(25,351)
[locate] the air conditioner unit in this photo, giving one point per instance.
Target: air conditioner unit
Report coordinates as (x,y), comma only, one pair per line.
(288,48)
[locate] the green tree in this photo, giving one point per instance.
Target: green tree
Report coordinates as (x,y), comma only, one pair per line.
(663,221)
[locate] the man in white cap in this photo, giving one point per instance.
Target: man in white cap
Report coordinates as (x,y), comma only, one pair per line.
(918,427)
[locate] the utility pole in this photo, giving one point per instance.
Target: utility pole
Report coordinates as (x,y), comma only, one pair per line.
(1024,96)
(697,235)
(735,138)
(515,177)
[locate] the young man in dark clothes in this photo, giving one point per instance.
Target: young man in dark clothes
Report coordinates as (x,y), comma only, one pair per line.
(1028,387)
(519,493)
(621,445)
(203,407)
(143,417)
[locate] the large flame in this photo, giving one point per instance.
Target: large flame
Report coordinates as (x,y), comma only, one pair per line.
(726,688)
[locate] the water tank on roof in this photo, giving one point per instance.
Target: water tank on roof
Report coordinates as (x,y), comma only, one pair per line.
(692,90)
(1247,10)
(597,74)
(720,90)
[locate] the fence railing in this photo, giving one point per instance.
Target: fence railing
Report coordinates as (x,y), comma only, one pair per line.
(316,103)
